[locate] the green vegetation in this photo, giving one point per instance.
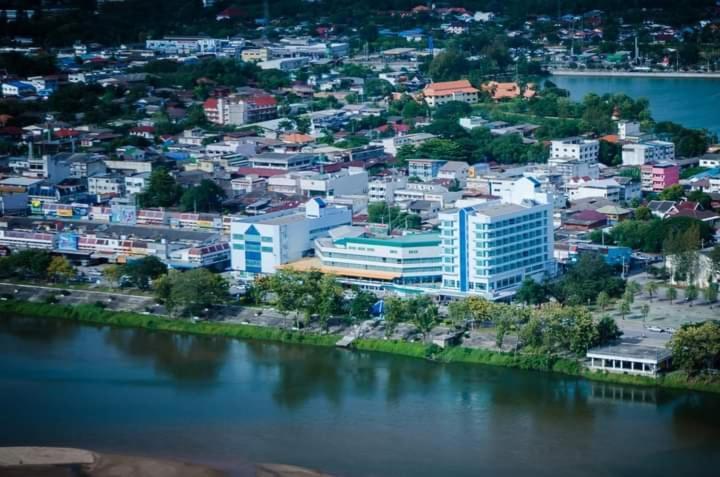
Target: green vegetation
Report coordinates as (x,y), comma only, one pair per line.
(204,197)
(97,315)
(696,347)
(59,269)
(136,273)
(585,279)
(381,213)
(162,190)
(193,292)
(650,235)
(222,71)
(32,264)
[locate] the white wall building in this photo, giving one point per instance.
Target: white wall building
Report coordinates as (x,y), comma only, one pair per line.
(261,243)
(392,144)
(490,248)
(383,190)
(629,131)
(575,148)
(570,167)
(431,192)
(455,170)
(228,148)
(369,260)
(646,152)
(285,162)
(106,184)
(137,183)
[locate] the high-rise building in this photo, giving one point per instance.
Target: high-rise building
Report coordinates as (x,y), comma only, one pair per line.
(490,248)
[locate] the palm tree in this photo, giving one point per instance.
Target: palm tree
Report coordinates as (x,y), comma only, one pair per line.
(624,308)
(603,300)
(671,293)
(645,310)
(651,288)
(711,293)
(629,296)
(633,287)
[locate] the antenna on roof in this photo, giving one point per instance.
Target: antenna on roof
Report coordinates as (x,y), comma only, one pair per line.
(266,15)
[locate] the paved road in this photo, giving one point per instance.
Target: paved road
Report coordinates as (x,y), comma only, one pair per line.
(111,300)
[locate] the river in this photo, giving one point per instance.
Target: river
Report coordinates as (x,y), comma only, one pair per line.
(229,402)
(692,102)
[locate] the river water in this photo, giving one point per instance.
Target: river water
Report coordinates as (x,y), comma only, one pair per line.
(229,402)
(692,102)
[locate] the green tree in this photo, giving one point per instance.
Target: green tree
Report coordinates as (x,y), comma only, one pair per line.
(691,293)
(140,272)
(585,279)
(448,65)
(531,292)
(645,311)
(624,308)
(696,347)
(711,293)
(395,313)
(162,190)
(328,299)
(607,331)
(361,305)
(113,274)
(375,87)
(205,197)
(671,293)
(26,264)
(651,289)
(532,333)
(191,292)
(459,313)
(674,193)
(441,149)
(602,300)
(629,296)
(423,314)
(701,198)
(643,213)
(412,110)
(60,269)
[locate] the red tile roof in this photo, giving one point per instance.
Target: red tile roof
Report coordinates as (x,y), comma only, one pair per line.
(449,87)
(259,171)
(262,100)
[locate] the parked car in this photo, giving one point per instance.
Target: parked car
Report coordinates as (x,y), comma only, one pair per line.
(655,329)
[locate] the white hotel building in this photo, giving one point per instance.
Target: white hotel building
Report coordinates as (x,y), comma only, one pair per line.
(490,248)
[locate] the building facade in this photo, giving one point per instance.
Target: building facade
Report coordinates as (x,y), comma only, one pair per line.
(260,244)
(490,248)
(439,93)
(658,176)
(410,259)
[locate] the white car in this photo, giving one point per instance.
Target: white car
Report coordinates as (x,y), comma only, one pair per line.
(655,329)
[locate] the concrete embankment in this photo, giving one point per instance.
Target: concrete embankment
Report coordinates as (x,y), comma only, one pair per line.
(636,74)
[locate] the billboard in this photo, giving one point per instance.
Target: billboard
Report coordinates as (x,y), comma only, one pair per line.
(123,214)
(68,241)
